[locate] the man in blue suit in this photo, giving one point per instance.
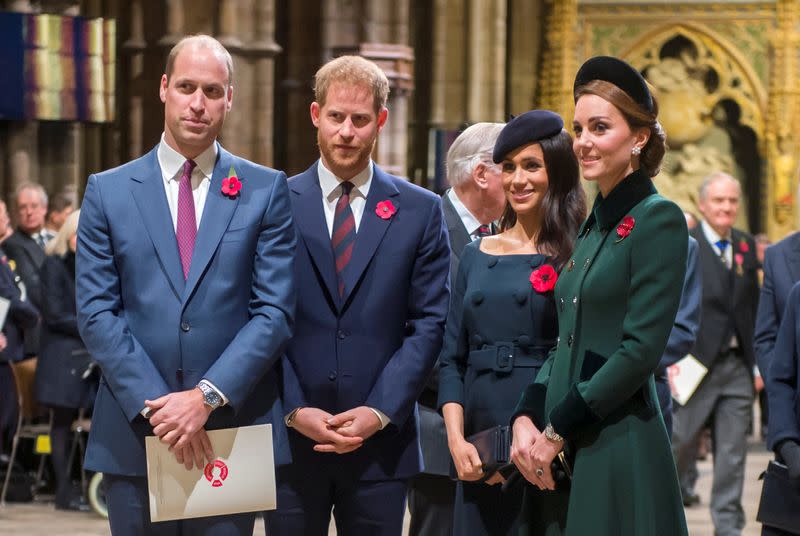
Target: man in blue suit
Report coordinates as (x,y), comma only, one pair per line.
(781,272)
(185,294)
(373,258)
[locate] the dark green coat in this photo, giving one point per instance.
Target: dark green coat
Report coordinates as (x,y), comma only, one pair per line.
(616,298)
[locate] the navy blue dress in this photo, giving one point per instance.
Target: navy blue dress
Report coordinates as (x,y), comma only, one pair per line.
(499,331)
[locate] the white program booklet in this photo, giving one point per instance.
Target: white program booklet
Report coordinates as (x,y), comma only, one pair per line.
(5,305)
(241,478)
(684,377)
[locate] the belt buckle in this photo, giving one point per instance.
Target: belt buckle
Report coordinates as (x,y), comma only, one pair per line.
(505,357)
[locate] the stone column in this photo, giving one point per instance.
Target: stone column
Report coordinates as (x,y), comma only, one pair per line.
(134,47)
(525,32)
(264,49)
(486,68)
(559,62)
(780,210)
(449,82)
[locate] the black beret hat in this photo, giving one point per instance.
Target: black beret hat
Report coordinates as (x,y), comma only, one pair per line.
(619,73)
(526,128)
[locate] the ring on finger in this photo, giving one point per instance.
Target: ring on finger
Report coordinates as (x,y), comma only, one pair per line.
(539,472)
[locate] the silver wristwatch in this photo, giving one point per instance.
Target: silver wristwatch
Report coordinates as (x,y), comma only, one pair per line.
(551,434)
(210,396)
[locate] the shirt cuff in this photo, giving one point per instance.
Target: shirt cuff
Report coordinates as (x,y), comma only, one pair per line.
(382,417)
(220,393)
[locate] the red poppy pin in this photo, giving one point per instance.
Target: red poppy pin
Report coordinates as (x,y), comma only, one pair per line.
(744,247)
(231,185)
(544,278)
(625,228)
(385,209)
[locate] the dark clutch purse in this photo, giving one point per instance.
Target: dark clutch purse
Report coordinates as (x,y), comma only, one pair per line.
(494,448)
(780,499)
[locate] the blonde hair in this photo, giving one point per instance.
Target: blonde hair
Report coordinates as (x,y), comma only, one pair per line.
(352,70)
(60,244)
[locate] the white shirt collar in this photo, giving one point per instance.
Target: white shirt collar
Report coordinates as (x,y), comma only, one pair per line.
(710,234)
(329,183)
(470,222)
(171,161)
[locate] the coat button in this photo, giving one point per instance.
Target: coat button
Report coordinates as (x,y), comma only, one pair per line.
(342,334)
(492,262)
(570,339)
(185,326)
(561,304)
(575,301)
(179,374)
(332,376)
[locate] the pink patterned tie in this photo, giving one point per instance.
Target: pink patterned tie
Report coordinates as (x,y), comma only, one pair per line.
(186,230)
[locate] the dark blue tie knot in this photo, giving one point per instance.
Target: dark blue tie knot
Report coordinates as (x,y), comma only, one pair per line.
(347,186)
(722,245)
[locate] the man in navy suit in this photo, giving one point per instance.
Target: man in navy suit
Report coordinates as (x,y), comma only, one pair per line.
(473,202)
(185,294)
(373,259)
(781,272)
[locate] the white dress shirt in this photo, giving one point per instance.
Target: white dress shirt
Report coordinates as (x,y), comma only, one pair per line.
(712,237)
(331,188)
(171,163)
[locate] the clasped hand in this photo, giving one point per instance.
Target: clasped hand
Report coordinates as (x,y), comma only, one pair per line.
(533,453)
(340,433)
(178,420)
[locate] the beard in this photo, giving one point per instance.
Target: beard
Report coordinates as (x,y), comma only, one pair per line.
(344,164)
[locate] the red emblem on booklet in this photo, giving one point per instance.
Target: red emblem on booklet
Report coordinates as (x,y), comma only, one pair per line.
(385,209)
(625,228)
(216,479)
(544,278)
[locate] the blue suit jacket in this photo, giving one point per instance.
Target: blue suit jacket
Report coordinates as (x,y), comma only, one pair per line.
(687,321)
(376,345)
(783,387)
(781,272)
(154,333)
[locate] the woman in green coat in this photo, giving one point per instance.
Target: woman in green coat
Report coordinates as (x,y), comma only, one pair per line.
(616,298)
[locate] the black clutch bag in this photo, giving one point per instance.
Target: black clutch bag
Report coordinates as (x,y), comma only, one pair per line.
(494,448)
(780,499)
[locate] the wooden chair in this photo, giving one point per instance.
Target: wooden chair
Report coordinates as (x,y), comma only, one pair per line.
(24,373)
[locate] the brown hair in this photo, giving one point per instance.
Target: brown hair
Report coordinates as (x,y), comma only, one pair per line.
(637,117)
(564,204)
(352,70)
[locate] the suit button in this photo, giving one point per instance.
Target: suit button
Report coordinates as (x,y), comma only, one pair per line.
(185,326)
(179,374)
(332,376)
(342,334)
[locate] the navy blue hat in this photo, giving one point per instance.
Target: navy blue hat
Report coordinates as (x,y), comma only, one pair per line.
(619,73)
(526,128)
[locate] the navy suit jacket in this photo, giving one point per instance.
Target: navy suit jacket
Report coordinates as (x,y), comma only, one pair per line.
(781,272)
(725,298)
(687,321)
(154,333)
(783,387)
(375,346)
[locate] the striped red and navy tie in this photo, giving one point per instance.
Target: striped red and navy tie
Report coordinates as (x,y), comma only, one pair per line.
(343,237)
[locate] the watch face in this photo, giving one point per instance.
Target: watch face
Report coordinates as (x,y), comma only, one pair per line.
(212,398)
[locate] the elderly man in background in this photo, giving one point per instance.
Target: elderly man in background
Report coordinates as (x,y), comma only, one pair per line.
(725,346)
(474,201)
(25,247)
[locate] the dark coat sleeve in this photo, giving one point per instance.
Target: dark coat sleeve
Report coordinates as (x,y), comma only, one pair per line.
(782,380)
(768,315)
(687,321)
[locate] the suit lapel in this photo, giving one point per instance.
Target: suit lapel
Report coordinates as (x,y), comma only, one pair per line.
(310,220)
(459,235)
(151,200)
(217,214)
(371,230)
(793,258)
(716,278)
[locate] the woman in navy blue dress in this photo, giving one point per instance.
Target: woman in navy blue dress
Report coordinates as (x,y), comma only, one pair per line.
(502,319)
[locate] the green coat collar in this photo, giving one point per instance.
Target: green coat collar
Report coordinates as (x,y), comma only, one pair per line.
(626,195)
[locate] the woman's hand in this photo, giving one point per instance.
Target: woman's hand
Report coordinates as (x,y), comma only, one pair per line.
(466,459)
(495,479)
(543,453)
(524,436)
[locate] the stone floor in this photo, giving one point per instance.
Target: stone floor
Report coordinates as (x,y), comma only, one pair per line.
(41,519)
